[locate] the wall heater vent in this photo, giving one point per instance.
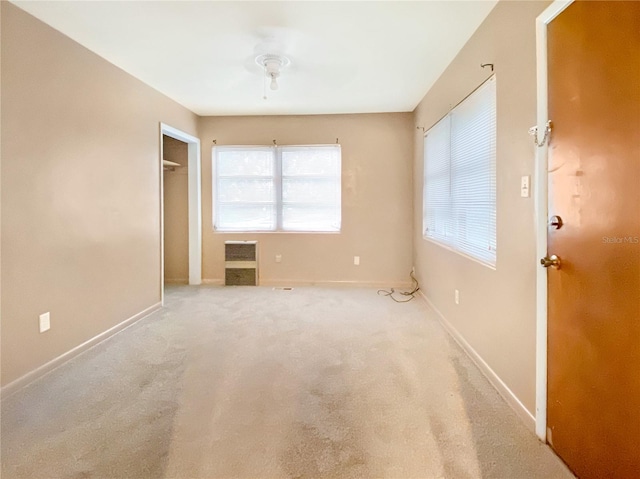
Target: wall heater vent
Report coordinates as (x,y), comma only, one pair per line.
(241,263)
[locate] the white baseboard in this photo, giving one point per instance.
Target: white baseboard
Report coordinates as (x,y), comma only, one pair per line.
(504,391)
(297,282)
(361,284)
(46,368)
(176,281)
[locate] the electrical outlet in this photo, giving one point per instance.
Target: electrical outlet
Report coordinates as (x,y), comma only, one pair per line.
(45,322)
(278,258)
(413,270)
(456,296)
(356,260)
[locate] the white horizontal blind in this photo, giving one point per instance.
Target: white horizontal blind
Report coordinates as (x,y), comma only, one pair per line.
(460,177)
(290,188)
(437,206)
(245,196)
(311,188)
(473,173)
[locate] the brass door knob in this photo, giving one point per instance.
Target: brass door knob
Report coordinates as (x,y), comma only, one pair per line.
(552,261)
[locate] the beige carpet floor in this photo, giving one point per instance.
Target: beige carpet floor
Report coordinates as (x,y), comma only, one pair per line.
(261,383)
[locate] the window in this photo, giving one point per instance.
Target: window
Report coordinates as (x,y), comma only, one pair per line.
(459,195)
(284,188)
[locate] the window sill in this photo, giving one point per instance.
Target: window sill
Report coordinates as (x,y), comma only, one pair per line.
(460,253)
(276,232)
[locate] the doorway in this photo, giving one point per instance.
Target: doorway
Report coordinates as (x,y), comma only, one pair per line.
(176,210)
(588,395)
(182,175)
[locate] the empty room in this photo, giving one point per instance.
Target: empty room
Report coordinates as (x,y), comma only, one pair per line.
(320,239)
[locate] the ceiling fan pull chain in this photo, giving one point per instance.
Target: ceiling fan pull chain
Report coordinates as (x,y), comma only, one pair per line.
(264,83)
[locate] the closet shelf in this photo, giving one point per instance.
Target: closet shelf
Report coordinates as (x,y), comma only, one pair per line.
(170,165)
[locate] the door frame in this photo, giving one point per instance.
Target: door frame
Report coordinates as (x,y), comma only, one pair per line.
(541,213)
(195,204)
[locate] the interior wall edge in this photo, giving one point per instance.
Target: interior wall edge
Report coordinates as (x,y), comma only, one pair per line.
(496,309)
(507,394)
(64,358)
(80,192)
(377,154)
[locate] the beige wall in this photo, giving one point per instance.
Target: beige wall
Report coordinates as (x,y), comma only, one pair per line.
(496,314)
(376,199)
(176,212)
(80,192)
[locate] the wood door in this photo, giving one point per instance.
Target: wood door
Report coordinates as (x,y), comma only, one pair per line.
(593,414)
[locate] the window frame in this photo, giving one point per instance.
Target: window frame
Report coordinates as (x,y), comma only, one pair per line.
(451,239)
(215,185)
(277,182)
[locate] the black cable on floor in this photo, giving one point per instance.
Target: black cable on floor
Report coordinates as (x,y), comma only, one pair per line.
(411,294)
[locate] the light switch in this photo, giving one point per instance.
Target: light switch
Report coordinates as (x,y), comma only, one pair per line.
(525,186)
(44,322)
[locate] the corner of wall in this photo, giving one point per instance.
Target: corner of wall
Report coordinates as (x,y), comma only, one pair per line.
(496,318)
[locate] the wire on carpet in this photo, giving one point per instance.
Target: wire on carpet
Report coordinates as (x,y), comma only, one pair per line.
(411,294)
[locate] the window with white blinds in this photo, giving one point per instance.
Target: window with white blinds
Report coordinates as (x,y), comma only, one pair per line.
(459,208)
(311,188)
(287,188)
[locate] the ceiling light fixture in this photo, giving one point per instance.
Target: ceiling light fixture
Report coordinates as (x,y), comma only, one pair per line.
(272,64)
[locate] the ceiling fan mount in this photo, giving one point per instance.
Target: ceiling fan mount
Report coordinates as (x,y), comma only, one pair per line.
(272,64)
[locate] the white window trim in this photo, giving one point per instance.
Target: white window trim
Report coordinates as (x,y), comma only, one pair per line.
(462,253)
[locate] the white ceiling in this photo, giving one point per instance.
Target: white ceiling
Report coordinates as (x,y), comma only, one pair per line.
(346,57)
